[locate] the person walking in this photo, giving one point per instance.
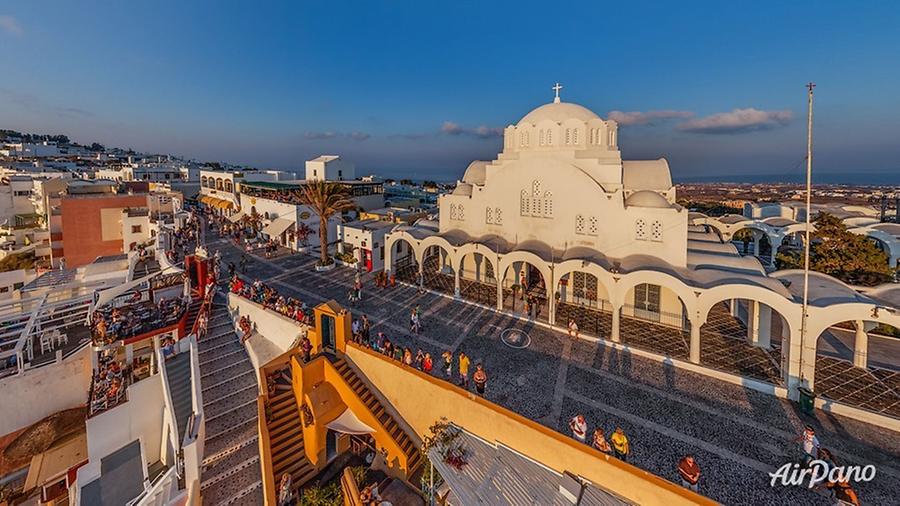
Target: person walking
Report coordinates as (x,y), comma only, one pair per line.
(285,491)
(413,322)
(463,370)
(305,348)
(809,444)
(366,329)
(579,427)
(689,471)
(448,363)
(600,442)
(480,379)
(573,328)
(621,447)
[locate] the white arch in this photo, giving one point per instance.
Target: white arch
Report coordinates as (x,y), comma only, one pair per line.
(436,240)
(525,256)
(476,247)
(604,277)
(890,242)
(392,239)
(684,292)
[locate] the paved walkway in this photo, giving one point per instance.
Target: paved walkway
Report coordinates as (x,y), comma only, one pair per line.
(737,434)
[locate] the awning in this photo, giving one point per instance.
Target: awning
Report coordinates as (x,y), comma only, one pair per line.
(104,297)
(56,461)
(348,423)
(206,199)
(277,227)
(224,204)
(236,217)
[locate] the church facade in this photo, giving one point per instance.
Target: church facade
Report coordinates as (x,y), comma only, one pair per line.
(559,228)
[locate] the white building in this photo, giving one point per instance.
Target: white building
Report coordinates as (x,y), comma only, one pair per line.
(559,224)
(367,240)
(330,168)
(281,221)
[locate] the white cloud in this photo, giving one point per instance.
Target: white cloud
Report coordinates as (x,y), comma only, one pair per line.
(326,135)
(483,131)
(738,121)
(648,117)
(319,136)
(10,25)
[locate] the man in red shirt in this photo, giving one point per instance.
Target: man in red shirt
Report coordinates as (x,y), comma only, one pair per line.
(690,472)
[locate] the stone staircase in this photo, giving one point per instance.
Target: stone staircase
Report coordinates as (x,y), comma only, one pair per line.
(409,447)
(193,313)
(286,435)
(231,467)
(178,374)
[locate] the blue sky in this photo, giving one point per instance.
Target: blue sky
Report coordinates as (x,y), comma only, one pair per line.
(421,87)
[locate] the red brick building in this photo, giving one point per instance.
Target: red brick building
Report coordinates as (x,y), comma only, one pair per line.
(92,225)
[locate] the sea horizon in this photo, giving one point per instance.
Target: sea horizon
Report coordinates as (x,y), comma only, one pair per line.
(819,178)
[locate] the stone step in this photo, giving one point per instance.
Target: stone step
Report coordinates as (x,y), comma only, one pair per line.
(214,391)
(227,420)
(234,401)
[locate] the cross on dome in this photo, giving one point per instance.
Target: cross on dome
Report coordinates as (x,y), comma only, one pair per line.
(556,90)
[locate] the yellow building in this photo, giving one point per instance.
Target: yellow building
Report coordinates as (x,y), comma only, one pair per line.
(349,403)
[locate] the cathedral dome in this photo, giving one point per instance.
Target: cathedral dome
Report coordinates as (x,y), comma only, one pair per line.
(558,112)
(647,198)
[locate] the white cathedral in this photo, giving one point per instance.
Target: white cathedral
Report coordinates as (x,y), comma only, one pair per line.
(561,215)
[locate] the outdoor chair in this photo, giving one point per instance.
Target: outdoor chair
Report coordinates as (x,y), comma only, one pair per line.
(61,338)
(46,343)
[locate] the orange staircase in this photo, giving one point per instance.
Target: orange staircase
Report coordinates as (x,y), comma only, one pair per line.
(409,447)
(286,439)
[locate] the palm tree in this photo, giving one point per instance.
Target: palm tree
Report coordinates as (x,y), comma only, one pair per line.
(325,199)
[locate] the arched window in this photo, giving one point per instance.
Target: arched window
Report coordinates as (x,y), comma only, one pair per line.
(536,187)
(548,205)
(498,216)
(568,136)
(541,137)
(219,185)
(452,211)
(460,211)
(489,216)
(549,137)
(524,204)
(592,226)
(203,181)
(640,230)
(579,224)
(228,186)
(656,231)
(575,136)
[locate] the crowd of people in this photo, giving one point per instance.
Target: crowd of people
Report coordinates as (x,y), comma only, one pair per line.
(419,359)
(184,240)
(269,298)
(109,324)
(810,451)
(109,383)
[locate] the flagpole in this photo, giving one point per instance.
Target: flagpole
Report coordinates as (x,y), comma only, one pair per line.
(806,245)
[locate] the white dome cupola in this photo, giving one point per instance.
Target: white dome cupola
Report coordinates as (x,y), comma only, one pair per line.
(561,126)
